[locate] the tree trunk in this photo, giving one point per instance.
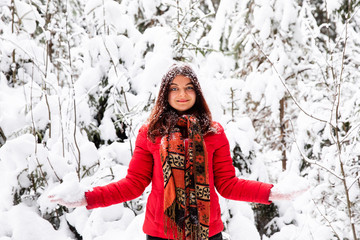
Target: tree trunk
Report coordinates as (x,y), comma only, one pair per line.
(282,133)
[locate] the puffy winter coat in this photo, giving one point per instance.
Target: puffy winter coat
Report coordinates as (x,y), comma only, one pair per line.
(145,167)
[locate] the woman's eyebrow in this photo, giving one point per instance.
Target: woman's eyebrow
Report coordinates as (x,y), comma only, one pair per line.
(178,85)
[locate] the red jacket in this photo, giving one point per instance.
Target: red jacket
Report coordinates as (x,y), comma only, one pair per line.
(145,167)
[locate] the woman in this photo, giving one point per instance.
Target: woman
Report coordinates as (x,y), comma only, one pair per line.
(186,156)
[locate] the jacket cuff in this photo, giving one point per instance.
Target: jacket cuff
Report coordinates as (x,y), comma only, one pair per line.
(91,200)
(266,193)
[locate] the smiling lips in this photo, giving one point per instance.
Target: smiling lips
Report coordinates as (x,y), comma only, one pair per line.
(182,100)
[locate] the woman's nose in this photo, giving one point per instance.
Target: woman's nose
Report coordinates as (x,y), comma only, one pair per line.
(182,92)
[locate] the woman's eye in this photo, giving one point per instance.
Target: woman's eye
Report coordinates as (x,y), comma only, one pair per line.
(190,88)
(173,89)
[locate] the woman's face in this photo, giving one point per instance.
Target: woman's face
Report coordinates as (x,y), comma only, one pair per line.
(182,95)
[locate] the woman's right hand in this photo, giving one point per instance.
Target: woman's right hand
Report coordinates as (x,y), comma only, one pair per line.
(69,204)
(70,193)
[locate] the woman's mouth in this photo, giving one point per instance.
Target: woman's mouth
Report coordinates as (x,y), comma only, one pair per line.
(182,100)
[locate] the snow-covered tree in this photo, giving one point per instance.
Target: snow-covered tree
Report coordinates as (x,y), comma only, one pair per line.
(78,78)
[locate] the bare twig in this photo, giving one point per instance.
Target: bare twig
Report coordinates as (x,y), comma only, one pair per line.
(53,170)
(327,220)
(62,128)
(73,95)
(45,76)
(34,129)
(13,67)
(356,179)
(337,113)
(112,61)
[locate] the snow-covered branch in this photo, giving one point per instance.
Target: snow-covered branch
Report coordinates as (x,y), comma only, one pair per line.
(285,85)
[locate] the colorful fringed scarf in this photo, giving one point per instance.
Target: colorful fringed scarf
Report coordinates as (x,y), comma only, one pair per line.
(186,181)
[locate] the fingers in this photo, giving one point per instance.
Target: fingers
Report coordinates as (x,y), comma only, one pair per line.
(54,198)
(63,203)
(58,200)
(300,192)
(277,193)
(291,196)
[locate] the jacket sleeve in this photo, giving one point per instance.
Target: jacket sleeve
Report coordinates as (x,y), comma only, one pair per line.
(226,182)
(133,185)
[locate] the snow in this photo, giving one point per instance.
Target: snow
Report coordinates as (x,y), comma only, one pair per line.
(117,151)
(262,18)
(332,5)
(88,80)
(222,15)
(285,13)
(237,131)
(9,120)
(157,61)
(243,225)
(24,223)
(255,85)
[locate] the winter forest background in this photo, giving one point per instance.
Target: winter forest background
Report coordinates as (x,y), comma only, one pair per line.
(78,78)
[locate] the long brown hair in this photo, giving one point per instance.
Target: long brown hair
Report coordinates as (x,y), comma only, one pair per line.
(163,117)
